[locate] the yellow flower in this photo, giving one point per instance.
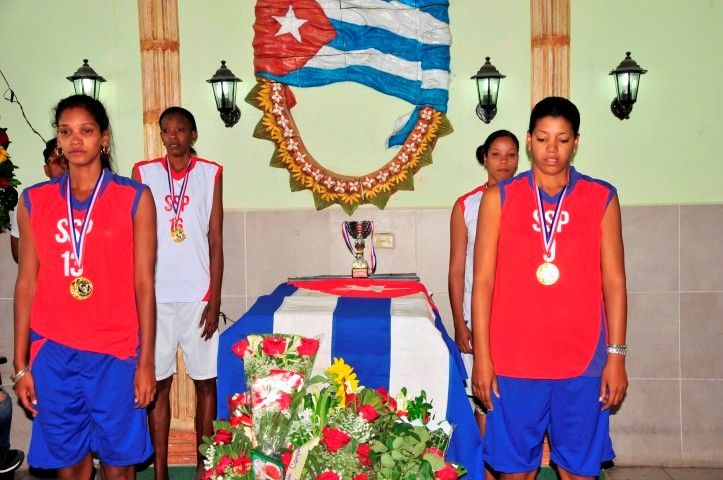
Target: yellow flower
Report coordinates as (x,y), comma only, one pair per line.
(3,154)
(344,378)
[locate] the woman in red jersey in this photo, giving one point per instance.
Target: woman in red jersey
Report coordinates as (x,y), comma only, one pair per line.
(549,307)
(84,306)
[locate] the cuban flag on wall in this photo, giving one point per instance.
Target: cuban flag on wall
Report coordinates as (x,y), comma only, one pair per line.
(391,337)
(397,47)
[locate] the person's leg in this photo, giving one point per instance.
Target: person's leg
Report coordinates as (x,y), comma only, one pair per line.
(205,412)
(118,473)
(159,421)
(579,430)
(6,418)
(79,471)
(519,476)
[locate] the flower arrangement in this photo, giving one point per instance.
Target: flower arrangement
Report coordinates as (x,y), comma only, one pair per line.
(8,182)
(328,427)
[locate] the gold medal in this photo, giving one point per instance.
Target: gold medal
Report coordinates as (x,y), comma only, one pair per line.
(178,233)
(81,288)
(547,273)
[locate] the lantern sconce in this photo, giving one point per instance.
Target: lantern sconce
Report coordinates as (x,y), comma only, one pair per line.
(627,81)
(488,85)
(86,81)
(224,83)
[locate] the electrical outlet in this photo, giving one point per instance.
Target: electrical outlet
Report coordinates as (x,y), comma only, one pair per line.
(384,240)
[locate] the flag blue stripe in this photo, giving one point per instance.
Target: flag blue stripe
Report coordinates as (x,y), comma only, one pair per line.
(465,446)
(436,8)
(359,37)
(259,319)
(362,336)
(408,90)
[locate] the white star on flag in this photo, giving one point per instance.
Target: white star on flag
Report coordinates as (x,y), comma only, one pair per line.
(290,24)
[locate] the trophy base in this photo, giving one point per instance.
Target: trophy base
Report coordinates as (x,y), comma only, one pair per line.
(360,272)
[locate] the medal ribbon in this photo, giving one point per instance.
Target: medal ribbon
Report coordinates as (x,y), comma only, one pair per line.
(348,241)
(77,240)
(548,235)
(171,188)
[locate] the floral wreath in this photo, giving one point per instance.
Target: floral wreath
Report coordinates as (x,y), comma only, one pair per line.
(277,125)
(8,183)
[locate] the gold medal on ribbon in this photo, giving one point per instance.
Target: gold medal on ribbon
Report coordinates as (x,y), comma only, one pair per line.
(547,273)
(178,233)
(81,288)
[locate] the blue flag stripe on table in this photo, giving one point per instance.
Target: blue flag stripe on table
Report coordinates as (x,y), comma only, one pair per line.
(362,337)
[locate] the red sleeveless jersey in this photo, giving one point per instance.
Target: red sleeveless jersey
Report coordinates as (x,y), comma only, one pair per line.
(549,331)
(107,321)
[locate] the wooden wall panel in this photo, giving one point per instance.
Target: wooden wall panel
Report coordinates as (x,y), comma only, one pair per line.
(550,29)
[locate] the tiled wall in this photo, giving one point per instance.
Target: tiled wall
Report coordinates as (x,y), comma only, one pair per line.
(672,414)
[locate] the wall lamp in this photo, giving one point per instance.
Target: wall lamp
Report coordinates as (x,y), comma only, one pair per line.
(627,80)
(488,85)
(224,83)
(86,81)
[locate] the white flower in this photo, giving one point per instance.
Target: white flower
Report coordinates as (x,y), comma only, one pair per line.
(394,167)
(329,182)
(422,126)
(276,97)
(277,110)
(306,168)
(426,114)
(416,137)
(292,145)
(276,86)
(340,187)
(282,121)
(382,177)
(288,132)
(300,157)
(316,173)
(368,182)
(410,147)
(353,186)
(404,157)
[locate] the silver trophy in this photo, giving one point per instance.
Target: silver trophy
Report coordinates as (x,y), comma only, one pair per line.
(359,231)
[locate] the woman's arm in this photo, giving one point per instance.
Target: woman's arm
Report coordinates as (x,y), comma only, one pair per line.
(209,319)
(612,263)
(144,259)
(455,278)
(484,382)
(25,285)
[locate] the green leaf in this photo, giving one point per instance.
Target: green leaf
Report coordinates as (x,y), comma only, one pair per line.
(387,460)
(435,461)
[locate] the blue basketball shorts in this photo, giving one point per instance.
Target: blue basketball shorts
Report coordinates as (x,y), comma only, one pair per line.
(568,410)
(86,404)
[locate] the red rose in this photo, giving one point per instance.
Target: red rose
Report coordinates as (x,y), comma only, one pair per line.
(328,475)
(4,183)
(308,347)
(222,464)
(222,436)
(241,465)
(284,401)
(435,451)
(241,348)
(286,458)
(238,400)
(362,453)
(382,392)
(207,474)
(272,471)
(446,473)
(368,412)
(361,476)
(4,139)
(352,400)
(402,413)
(273,345)
(242,419)
(333,439)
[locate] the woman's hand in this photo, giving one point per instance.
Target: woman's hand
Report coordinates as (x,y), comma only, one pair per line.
(25,390)
(484,381)
(463,338)
(209,320)
(614,382)
(144,385)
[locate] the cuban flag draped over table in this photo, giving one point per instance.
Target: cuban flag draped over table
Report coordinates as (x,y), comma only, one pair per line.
(398,47)
(391,335)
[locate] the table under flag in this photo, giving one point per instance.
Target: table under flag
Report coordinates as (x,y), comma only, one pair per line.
(389,331)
